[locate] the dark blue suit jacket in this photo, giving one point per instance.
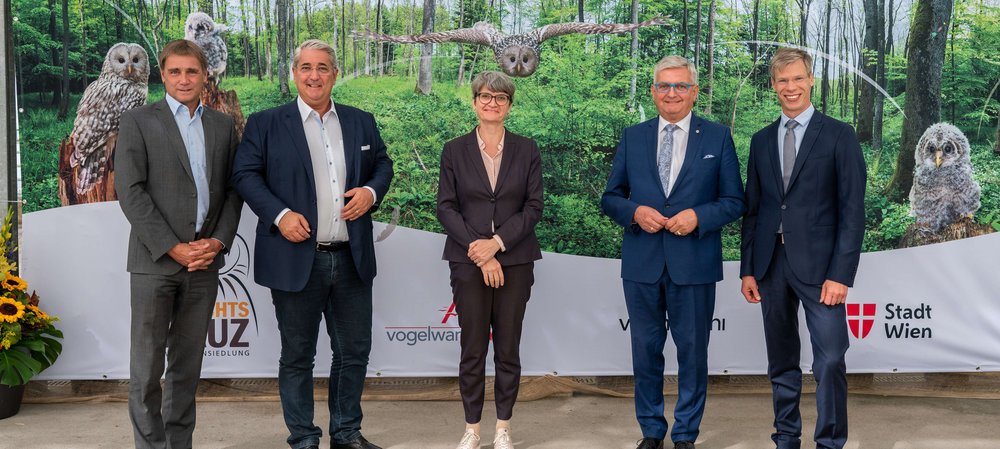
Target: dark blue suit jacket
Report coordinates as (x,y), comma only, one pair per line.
(709,182)
(822,213)
(273,171)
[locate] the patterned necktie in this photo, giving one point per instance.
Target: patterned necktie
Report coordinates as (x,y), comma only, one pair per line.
(788,152)
(666,156)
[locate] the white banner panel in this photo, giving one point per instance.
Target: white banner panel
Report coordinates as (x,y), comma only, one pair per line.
(932,308)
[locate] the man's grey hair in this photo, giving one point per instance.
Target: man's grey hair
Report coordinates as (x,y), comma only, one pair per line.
(673,62)
(314,44)
(494,81)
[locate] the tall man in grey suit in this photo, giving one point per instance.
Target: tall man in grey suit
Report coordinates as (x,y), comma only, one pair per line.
(313,172)
(173,160)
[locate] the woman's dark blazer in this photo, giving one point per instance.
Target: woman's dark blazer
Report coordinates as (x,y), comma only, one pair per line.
(466,206)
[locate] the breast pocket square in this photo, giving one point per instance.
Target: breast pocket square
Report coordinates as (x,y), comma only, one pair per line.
(366,147)
(709,156)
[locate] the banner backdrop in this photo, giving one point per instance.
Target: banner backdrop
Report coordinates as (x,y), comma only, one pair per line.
(925,309)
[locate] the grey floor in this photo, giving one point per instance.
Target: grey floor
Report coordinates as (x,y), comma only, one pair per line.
(732,421)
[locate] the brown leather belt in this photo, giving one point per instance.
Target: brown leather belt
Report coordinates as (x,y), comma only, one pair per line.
(333,246)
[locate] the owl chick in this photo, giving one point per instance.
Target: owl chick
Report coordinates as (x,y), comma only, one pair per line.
(517,55)
(202,30)
(943,189)
(121,86)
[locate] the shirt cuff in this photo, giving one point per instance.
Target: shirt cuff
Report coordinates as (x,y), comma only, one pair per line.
(281,214)
(496,237)
(374,195)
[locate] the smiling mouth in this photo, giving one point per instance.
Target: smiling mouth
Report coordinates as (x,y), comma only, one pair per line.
(793,97)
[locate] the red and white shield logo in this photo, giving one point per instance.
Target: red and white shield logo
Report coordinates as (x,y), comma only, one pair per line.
(860,318)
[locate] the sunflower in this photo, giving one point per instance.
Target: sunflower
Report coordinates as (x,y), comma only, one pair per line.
(11,282)
(10,310)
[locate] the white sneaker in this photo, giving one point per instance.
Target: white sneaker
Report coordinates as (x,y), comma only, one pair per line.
(469,441)
(502,440)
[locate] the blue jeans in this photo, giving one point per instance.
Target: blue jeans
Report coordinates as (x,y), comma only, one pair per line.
(334,291)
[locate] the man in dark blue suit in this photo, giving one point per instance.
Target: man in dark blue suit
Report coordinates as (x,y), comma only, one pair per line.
(801,243)
(297,166)
(674,183)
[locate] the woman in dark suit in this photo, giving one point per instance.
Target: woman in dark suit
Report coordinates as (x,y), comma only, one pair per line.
(489,201)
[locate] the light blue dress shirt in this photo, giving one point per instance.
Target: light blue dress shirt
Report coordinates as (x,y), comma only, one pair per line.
(193,134)
(800,132)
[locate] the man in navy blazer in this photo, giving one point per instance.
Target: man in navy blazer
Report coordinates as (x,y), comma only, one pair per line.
(674,183)
(801,242)
(297,166)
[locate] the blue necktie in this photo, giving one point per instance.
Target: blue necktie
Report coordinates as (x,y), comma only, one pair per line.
(666,156)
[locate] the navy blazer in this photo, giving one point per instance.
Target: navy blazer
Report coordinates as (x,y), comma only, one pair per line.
(273,171)
(709,183)
(822,214)
(467,206)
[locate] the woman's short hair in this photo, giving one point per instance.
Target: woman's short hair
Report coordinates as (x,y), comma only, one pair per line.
(673,62)
(494,81)
(786,56)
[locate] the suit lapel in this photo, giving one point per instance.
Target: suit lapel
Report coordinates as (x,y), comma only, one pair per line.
(211,129)
(173,135)
(293,123)
(812,131)
(348,132)
(474,158)
(649,141)
(693,150)
(510,152)
(772,154)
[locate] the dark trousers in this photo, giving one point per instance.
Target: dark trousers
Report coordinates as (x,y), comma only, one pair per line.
(335,292)
(481,309)
(170,317)
(689,309)
(781,292)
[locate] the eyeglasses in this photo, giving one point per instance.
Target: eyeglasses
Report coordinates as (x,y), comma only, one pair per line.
(679,88)
(486,98)
(322,70)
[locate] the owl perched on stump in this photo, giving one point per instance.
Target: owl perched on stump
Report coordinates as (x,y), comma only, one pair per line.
(943,189)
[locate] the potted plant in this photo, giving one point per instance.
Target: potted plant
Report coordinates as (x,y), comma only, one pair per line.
(28,342)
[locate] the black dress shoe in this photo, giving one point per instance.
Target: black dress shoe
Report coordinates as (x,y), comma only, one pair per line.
(311,447)
(359,443)
(650,443)
(684,445)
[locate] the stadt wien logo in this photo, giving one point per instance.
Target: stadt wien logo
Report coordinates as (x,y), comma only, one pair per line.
(861,319)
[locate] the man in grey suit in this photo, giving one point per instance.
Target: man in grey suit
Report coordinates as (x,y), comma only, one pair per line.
(173,161)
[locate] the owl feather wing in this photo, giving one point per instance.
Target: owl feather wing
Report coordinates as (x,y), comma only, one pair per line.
(481,33)
(559,29)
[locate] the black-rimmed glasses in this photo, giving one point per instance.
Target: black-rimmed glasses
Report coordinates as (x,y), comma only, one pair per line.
(486,98)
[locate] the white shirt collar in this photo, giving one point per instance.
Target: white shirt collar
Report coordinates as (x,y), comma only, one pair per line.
(684,124)
(175,105)
(305,110)
(802,119)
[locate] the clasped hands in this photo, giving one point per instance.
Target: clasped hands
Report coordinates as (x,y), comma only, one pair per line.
(196,255)
(482,253)
(295,228)
(651,221)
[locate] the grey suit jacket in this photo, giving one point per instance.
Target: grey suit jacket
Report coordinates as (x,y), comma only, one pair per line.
(156,190)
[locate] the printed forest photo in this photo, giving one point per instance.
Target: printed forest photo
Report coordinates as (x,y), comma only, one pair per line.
(919,80)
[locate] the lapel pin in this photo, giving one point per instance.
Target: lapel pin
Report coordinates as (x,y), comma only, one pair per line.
(697,131)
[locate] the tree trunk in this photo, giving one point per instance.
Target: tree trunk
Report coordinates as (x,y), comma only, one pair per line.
(378,29)
(267,48)
(461,46)
(281,7)
(755,31)
(869,66)
(64,102)
(697,33)
(687,35)
(54,54)
(710,86)
(996,143)
(244,40)
(634,55)
(424,75)
(880,77)
(579,11)
(925,64)
(256,38)
(825,86)
(368,42)
(343,34)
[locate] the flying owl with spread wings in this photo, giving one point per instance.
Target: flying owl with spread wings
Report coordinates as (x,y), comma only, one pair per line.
(202,30)
(122,85)
(943,188)
(518,55)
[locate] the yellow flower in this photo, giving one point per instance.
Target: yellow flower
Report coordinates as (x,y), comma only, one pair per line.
(38,312)
(11,282)
(10,310)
